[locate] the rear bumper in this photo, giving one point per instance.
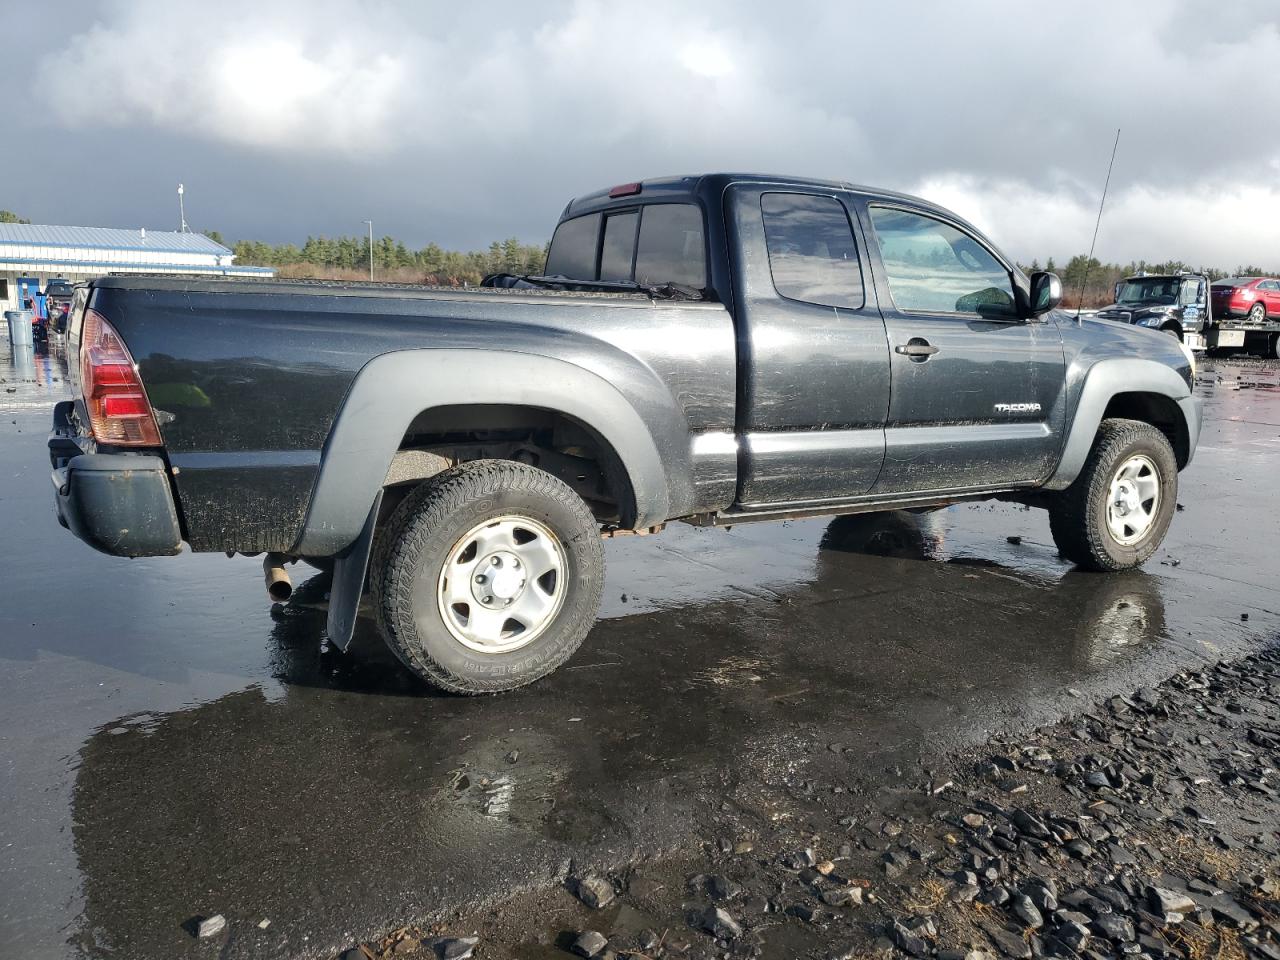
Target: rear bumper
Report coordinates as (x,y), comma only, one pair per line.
(118,503)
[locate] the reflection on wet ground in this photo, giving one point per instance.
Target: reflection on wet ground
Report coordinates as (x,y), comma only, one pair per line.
(175,746)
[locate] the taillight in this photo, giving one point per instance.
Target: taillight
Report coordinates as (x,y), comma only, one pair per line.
(119,412)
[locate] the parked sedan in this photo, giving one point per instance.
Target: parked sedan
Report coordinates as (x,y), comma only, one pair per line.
(1254,298)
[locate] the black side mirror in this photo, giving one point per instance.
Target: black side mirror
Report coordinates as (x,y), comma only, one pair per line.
(1046,292)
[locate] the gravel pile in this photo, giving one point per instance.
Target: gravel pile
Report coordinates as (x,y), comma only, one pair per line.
(1146,827)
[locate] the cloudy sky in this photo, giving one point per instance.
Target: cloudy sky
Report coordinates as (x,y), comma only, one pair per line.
(465,122)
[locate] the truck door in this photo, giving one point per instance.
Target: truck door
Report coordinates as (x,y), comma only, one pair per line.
(813,366)
(977,399)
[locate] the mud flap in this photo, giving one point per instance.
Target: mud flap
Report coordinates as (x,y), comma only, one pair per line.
(349,569)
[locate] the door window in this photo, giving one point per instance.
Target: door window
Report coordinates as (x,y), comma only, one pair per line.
(934,267)
(812,253)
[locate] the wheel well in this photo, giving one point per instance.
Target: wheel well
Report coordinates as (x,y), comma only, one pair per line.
(1159,411)
(1174,328)
(548,439)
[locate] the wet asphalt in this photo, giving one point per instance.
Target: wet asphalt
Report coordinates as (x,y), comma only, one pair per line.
(174,746)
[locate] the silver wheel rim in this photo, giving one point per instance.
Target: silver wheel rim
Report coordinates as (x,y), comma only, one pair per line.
(502,584)
(1257,313)
(1134,500)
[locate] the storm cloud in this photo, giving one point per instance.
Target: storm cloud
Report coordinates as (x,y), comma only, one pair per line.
(464,123)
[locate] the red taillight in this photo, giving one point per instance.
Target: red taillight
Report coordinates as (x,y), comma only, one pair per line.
(625,190)
(119,412)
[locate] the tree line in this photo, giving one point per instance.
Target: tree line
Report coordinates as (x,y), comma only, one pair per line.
(348,257)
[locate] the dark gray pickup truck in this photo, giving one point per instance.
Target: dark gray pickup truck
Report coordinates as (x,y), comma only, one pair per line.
(713,349)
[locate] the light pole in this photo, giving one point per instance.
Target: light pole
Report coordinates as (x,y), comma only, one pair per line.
(370,223)
(182,215)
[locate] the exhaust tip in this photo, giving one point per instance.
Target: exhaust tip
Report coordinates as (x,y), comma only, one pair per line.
(279,587)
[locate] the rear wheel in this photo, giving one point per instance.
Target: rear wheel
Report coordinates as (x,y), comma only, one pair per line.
(488,576)
(1257,313)
(1117,512)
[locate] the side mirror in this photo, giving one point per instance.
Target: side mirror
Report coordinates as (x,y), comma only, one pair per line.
(1046,292)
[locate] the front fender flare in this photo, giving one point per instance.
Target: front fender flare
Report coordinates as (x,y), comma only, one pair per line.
(1104,380)
(392,389)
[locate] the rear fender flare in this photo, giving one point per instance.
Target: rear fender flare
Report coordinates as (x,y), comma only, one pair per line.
(392,389)
(1104,380)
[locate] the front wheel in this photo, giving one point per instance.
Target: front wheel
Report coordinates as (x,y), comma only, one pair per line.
(1117,512)
(487,577)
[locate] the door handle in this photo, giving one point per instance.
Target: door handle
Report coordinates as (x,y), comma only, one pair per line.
(917,349)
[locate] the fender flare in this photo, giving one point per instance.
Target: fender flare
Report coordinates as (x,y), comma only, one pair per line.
(1104,380)
(393,388)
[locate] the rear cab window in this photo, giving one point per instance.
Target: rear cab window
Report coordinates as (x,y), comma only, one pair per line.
(653,244)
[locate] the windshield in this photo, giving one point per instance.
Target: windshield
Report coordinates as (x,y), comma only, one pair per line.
(1149,290)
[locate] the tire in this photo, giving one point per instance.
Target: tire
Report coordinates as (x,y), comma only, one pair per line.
(442,542)
(1275,346)
(1082,517)
(1257,313)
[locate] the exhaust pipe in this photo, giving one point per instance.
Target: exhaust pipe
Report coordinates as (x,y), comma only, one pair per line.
(279,587)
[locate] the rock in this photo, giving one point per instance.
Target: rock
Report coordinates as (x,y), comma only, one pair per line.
(1229,911)
(719,924)
(895,862)
(973,820)
(1079,849)
(1010,944)
(965,892)
(1026,911)
(1114,927)
(804,911)
(799,859)
(743,847)
(1170,905)
(1074,935)
(842,897)
(590,943)
(908,942)
(513,756)
(451,948)
(720,887)
(594,891)
(210,926)
(1029,825)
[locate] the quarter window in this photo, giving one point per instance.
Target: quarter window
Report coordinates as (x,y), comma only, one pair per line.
(935,268)
(671,248)
(812,253)
(573,248)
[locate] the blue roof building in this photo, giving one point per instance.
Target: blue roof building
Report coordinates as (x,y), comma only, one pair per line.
(32,254)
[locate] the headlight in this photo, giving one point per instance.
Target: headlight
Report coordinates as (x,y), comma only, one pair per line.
(1191,359)
(1153,320)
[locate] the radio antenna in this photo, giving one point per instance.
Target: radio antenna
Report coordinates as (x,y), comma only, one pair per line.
(1089,261)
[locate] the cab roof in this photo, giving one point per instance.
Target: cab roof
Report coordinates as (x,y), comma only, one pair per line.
(690,187)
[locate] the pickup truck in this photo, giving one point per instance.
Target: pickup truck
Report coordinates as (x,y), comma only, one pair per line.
(714,349)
